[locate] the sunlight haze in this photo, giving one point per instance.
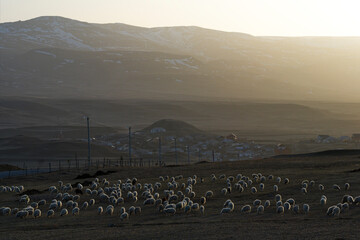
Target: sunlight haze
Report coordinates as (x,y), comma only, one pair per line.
(256,17)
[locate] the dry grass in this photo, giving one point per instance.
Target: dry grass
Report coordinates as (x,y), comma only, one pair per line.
(151,224)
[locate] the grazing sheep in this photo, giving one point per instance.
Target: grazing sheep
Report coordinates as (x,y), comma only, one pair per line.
(330,210)
(323,201)
(122,210)
(291,201)
(350,200)
(109,210)
(261,187)
(170,211)
(85,205)
(225,210)
(336,211)
(187,209)
(303,190)
(202,200)
(286,181)
(336,187)
(64,212)
(276,188)
(267,203)
(260,209)
(278,197)
(246,209)
(202,209)
(50,213)
(270,177)
(296,209)
(278,179)
(6,211)
(306,208)
(224,191)
(257,202)
(92,202)
(149,201)
(42,202)
(321,187)
(14,211)
(195,207)
(124,216)
(76,211)
(357,200)
(22,214)
(279,203)
(137,210)
(344,206)
(287,206)
(253,190)
(131,210)
(280,209)
(347,186)
(37,213)
(192,194)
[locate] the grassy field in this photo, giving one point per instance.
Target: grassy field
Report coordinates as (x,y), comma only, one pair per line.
(151,224)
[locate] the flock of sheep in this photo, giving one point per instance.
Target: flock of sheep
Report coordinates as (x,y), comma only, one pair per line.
(169,195)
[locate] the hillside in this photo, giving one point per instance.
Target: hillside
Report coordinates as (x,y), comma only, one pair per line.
(64,58)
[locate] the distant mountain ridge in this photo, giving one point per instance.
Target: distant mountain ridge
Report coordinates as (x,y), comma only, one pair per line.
(59,57)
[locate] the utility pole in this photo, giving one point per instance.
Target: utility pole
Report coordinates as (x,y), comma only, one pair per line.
(176,156)
(130,145)
(159,151)
(89,150)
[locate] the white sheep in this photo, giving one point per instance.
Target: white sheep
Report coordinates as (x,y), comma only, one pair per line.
(261,187)
(202,209)
(137,210)
(170,210)
(278,197)
(22,214)
(267,204)
(246,209)
(296,209)
(100,210)
(253,190)
(109,210)
(85,205)
(347,186)
(260,209)
(278,179)
(131,210)
(37,213)
(276,188)
(280,209)
(124,216)
(336,187)
(321,187)
(336,211)
(287,206)
(76,211)
(225,210)
(286,181)
(64,212)
(306,208)
(257,202)
(50,213)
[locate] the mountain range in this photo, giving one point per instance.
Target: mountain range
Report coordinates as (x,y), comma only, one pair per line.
(56,57)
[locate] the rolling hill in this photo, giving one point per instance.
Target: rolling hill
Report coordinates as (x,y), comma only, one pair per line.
(64,58)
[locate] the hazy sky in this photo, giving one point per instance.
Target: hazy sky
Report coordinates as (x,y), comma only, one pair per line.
(256,17)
